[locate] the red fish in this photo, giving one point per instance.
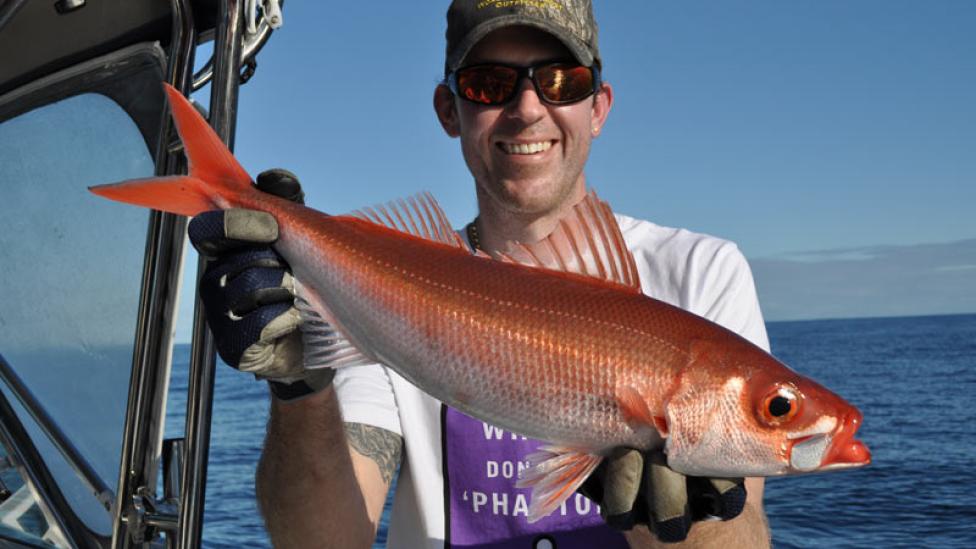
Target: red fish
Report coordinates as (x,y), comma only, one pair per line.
(584,361)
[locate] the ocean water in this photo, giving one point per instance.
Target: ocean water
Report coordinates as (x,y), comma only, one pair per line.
(913,378)
(915,381)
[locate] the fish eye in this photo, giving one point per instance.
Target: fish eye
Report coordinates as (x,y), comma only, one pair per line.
(779,406)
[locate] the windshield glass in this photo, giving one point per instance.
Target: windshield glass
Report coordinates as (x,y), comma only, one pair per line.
(70,270)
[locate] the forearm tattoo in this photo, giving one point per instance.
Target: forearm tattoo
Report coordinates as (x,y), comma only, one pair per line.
(382,446)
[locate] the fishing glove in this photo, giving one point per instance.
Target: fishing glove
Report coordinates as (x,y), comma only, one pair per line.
(636,488)
(248,292)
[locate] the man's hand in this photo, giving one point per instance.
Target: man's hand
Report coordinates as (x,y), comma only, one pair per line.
(248,292)
(634,488)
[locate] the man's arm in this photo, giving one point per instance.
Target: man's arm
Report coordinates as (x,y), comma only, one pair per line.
(319,483)
(749,529)
(311,493)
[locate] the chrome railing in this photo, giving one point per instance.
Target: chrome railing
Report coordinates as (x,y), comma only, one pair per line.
(58,438)
(148,385)
(223,119)
(22,452)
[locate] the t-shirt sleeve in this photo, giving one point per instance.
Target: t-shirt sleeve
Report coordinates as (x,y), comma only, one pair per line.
(726,294)
(366,396)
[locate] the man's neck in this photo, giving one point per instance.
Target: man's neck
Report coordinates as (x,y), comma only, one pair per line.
(497,228)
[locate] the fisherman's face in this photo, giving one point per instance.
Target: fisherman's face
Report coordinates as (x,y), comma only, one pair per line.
(548,175)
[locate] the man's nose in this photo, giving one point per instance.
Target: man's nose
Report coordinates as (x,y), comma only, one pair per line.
(527,105)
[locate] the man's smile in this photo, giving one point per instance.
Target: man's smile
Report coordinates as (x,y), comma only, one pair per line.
(525,148)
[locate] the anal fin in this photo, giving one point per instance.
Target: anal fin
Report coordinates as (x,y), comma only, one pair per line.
(556,473)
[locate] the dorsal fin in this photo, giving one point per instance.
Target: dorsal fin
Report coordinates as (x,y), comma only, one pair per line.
(587,241)
(419,215)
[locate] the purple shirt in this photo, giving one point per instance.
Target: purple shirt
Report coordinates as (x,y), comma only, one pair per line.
(486,510)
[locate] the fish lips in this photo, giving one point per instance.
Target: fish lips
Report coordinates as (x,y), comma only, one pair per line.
(831,451)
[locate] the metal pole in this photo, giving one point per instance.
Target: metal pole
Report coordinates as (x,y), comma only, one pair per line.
(147,385)
(157,308)
(223,117)
(49,497)
(227,66)
(82,468)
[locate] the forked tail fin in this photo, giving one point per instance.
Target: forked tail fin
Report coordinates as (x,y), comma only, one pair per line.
(215,176)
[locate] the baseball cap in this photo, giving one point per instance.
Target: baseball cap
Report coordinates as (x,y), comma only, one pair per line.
(571,21)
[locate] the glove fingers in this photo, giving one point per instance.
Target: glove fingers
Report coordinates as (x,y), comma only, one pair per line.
(218,232)
(282,183)
(242,294)
(250,302)
(621,482)
(222,274)
(721,498)
(277,353)
(667,500)
(242,333)
(261,267)
(733,502)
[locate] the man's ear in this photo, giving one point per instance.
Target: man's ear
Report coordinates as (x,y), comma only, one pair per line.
(446,109)
(602,103)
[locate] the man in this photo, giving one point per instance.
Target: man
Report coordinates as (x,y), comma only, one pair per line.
(523,93)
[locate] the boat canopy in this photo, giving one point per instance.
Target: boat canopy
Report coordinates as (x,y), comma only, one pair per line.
(51,36)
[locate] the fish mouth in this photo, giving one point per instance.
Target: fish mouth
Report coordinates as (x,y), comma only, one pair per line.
(846,452)
(831,451)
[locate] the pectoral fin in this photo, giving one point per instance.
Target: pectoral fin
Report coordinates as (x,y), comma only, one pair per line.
(637,413)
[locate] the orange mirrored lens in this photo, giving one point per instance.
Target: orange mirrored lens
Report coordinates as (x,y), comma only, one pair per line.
(564,83)
(490,85)
(557,83)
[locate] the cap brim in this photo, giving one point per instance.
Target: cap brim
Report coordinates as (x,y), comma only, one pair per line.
(579,50)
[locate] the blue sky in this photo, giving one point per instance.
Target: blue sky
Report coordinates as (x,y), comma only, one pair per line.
(784,126)
(781,125)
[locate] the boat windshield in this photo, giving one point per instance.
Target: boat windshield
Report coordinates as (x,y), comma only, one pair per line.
(70,273)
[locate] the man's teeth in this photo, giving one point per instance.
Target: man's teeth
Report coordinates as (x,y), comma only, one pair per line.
(526,148)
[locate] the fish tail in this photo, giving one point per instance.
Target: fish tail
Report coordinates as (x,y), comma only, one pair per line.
(216,180)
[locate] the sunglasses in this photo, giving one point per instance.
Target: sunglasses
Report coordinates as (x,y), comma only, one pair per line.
(558,83)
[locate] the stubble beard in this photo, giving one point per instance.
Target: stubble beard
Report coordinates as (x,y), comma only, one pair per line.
(530,198)
(533,191)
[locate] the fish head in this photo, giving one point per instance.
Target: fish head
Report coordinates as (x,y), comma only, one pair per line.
(811,427)
(760,420)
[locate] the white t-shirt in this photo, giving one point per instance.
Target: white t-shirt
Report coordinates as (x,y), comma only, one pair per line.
(456,486)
